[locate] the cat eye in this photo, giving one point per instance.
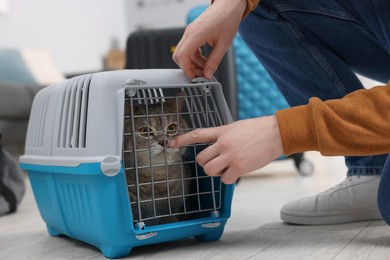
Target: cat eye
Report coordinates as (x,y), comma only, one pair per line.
(146,131)
(171,129)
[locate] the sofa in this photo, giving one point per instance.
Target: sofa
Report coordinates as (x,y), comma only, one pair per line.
(15,106)
(22,74)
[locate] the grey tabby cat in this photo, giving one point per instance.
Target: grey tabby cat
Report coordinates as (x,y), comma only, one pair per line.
(162,177)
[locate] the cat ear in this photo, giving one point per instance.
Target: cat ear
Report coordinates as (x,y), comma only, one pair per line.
(180,101)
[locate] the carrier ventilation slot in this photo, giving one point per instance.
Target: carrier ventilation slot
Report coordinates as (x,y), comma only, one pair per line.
(38,120)
(203,108)
(73,119)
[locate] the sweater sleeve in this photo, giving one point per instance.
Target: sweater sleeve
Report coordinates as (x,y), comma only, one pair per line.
(358,124)
(250,5)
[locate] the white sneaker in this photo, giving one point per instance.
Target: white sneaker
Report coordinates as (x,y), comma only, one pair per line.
(354,199)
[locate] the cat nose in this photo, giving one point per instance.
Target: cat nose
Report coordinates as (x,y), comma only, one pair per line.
(163,143)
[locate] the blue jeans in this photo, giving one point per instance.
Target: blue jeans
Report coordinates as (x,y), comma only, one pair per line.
(313,48)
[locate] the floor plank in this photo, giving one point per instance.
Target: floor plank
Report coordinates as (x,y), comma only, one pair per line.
(288,244)
(372,243)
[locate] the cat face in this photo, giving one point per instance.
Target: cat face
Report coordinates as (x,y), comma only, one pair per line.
(154,126)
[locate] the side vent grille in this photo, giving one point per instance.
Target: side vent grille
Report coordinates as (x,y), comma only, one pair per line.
(73,115)
(34,140)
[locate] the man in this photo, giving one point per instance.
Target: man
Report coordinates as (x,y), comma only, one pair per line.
(310,50)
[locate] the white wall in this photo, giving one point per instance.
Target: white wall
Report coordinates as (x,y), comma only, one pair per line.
(159,13)
(79,32)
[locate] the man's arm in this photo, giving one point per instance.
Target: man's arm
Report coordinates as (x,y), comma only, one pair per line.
(358,124)
(237,148)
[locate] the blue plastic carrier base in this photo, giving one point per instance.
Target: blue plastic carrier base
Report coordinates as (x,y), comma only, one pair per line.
(81,203)
(81,160)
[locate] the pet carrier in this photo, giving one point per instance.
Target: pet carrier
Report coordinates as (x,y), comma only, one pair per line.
(101,172)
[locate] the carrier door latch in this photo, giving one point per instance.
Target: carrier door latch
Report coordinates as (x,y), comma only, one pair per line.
(133,82)
(211,225)
(146,236)
(214,214)
(205,88)
(202,80)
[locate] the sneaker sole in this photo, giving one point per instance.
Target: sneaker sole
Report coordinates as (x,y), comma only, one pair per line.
(333,218)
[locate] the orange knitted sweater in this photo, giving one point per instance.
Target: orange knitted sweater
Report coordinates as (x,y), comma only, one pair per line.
(250,5)
(358,124)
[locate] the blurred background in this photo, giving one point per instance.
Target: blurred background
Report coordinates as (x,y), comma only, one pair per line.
(79,34)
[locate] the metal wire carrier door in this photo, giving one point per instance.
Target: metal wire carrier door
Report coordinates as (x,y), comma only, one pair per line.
(166,185)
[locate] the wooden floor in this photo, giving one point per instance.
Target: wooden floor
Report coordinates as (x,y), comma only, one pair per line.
(254,231)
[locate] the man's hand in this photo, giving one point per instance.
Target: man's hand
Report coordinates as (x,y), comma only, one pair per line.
(216,26)
(237,148)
